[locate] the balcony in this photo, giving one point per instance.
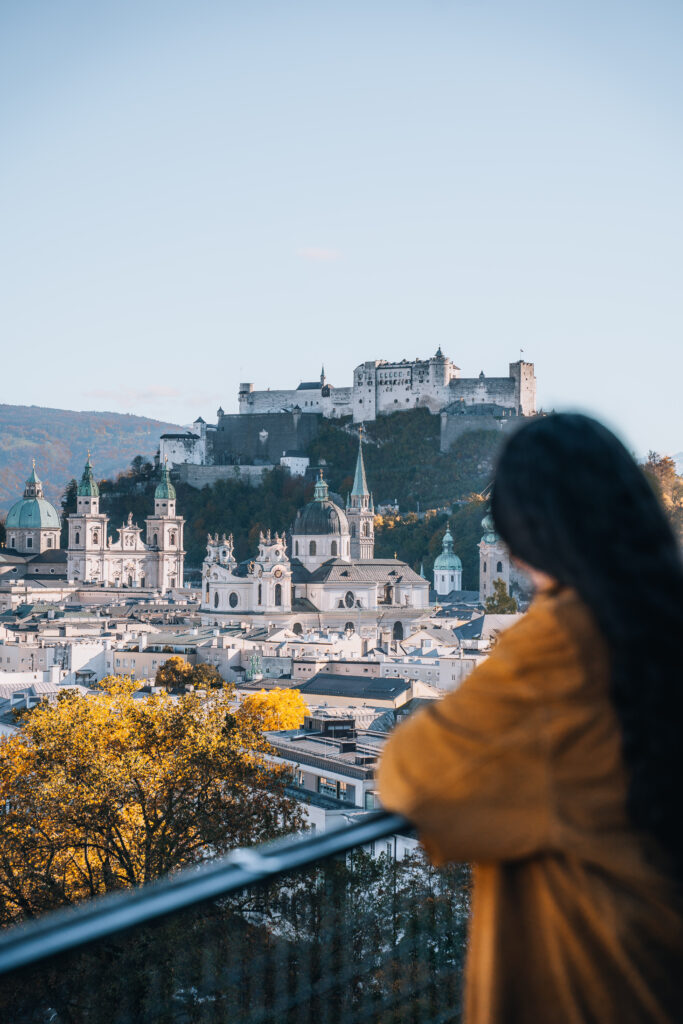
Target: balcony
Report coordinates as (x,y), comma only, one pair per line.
(321,929)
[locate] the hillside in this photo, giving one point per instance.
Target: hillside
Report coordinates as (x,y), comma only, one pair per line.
(58,439)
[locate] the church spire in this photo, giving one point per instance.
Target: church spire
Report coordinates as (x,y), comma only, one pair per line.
(360,483)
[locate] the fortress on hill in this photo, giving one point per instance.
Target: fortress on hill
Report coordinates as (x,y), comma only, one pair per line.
(380,387)
(276,427)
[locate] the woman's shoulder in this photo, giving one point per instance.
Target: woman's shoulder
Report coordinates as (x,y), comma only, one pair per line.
(556,645)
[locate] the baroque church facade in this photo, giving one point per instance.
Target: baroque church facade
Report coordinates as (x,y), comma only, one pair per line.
(326,573)
(155,561)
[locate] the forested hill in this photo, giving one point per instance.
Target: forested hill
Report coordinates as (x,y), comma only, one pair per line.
(58,439)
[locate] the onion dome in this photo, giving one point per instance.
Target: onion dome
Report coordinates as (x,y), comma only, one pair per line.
(165,490)
(320,516)
(88,486)
(490,535)
(32,510)
(447,560)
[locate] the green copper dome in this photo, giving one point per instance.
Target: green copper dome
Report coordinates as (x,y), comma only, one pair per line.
(165,490)
(447,560)
(88,486)
(32,510)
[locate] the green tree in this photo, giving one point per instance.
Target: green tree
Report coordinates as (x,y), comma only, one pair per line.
(500,602)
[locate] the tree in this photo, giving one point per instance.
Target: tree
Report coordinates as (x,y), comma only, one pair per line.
(275,709)
(204,676)
(500,602)
(111,791)
(174,674)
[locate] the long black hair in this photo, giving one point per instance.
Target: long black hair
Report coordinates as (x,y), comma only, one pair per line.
(570,501)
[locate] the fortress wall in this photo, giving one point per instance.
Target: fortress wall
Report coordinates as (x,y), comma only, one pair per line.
(206,476)
(180,450)
(271,401)
(454,426)
(492,390)
(263,437)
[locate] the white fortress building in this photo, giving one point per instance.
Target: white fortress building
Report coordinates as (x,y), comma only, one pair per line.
(380,388)
(93,557)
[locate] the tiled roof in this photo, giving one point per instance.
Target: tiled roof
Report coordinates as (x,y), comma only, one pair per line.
(366,688)
(371,570)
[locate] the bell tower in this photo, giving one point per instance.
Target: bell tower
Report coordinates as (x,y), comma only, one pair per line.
(87,531)
(164,537)
(360,510)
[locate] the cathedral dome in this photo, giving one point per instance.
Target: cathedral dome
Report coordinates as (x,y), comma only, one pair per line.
(33,510)
(490,535)
(320,516)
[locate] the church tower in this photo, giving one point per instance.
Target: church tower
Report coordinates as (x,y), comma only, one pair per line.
(164,537)
(360,511)
(87,531)
(494,560)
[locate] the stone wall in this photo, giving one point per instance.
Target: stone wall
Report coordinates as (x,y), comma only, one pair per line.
(262,437)
(206,476)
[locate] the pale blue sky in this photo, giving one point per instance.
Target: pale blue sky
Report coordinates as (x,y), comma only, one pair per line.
(198,193)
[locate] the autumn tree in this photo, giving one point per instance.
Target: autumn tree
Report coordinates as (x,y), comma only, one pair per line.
(500,602)
(112,791)
(204,676)
(174,674)
(275,709)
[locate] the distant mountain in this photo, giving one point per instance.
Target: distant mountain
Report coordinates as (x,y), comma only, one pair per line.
(58,439)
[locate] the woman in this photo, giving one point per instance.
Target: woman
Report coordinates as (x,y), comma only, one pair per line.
(557,767)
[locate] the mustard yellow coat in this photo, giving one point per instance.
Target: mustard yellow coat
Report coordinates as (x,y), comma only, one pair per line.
(520,772)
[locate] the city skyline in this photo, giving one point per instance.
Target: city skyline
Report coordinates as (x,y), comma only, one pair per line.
(204,195)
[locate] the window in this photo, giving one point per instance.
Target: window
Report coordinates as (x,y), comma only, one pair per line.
(333,548)
(296,547)
(484,567)
(398,631)
(77,538)
(172,539)
(96,536)
(260,593)
(207,595)
(13,544)
(388,593)
(328,787)
(312,549)
(155,540)
(233,600)
(278,594)
(297,628)
(29,542)
(349,599)
(499,567)
(215,600)
(49,542)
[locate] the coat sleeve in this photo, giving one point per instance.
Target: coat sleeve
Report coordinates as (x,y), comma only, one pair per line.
(471,771)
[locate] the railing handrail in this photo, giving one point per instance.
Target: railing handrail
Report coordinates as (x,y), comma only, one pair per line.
(62,931)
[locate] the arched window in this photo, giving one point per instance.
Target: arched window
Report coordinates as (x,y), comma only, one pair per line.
(398,631)
(353,529)
(130,581)
(49,542)
(296,547)
(349,599)
(14,542)
(484,567)
(333,547)
(260,593)
(77,538)
(499,567)
(366,529)
(233,599)
(207,595)
(96,536)
(278,594)
(215,600)
(388,593)
(155,540)
(349,627)
(297,628)
(172,538)
(312,549)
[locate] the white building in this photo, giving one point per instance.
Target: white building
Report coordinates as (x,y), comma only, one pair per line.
(447,568)
(32,525)
(157,561)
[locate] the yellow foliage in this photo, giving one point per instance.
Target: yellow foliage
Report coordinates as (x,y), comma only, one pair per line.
(115,790)
(275,709)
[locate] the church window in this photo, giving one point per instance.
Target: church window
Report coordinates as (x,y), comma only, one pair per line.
(484,567)
(296,547)
(95,537)
(155,540)
(398,631)
(349,627)
(233,599)
(171,582)
(77,538)
(349,599)
(388,593)
(278,594)
(215,600)
(333,548)
(13,544)
(172,538)
(49,542)
(142,581)
(260,593)
(312,548)
(297,628)
(29,542)
(130,581)
(499,567)
(207,595)
(353,529)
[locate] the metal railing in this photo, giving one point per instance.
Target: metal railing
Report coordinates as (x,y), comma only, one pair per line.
(312,929)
